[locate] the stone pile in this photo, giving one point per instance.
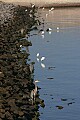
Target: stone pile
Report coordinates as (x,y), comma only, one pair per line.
(6,11)
(16,81)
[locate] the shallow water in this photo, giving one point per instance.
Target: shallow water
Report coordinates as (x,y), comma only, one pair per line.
(59,73)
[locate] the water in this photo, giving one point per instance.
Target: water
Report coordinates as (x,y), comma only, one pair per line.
(59,73)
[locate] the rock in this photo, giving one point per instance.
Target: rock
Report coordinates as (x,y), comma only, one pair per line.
(60,107)
(16,82)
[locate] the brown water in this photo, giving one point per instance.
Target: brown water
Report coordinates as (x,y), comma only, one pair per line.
(59,73)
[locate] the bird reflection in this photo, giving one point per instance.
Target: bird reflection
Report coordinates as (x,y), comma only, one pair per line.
(38,59)
(43,65)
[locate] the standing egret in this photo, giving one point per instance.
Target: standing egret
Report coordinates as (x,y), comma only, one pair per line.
(49,29)
(42,58)
(37,54)
(52,8)
(20,46)
(31,67)
(26,10)
(57,28)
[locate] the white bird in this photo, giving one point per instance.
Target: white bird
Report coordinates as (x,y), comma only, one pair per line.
(43,8)
(36,81)
(52,8)
(34,92)
(43,65)
(26,10)
(46,15)
(33,5)
(31,67)
(30,15)
(22,31)
(20,45)
(38,54)
(57,28)
(49,29)
(42,58)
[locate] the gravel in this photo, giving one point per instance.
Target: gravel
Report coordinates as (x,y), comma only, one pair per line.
(6,12)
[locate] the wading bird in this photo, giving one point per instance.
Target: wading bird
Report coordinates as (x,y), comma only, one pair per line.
(42,58)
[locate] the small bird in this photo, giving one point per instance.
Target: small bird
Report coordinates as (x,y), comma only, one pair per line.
(49,29)
(20,46)
(33,5)
(26,10)
(36,81)
(22,31)
(42,58)
(57,28)
(52,8)
(38,54)
(46,15)
(30,15)
(43,8)
(31,67)
(42,32)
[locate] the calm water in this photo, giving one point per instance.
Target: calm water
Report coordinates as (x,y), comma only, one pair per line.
(59,73)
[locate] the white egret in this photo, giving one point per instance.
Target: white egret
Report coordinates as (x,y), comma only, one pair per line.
(22,30)
(38,54)
(33,5)
(57,28)
(49,29)
(31,67)
(36,81)
(30,15)
(20,45)
(46,15)
(26,10)
(34,92)
(52,8)
(42,58)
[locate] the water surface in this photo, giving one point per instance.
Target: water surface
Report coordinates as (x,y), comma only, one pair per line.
(59,73)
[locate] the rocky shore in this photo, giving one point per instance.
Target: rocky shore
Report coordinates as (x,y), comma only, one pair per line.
(6,11)
(16,81)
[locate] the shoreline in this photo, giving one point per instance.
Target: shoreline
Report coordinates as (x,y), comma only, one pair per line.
(16,82)
(50,3)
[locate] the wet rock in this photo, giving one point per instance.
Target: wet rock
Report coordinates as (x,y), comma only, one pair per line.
(63,99)
(60,107)
(70,103)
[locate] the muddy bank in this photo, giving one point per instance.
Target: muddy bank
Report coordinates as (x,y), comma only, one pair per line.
(16,81)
